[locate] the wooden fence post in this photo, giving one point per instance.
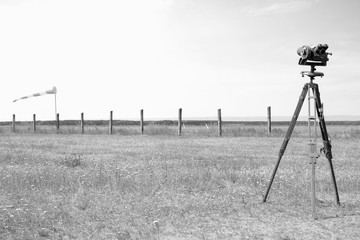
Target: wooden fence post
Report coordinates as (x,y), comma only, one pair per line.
(142,121)
(180,122)
(34,122)
(111,122)
(219,123)
(57,121)
(82,123)
(13,124)
(269,119)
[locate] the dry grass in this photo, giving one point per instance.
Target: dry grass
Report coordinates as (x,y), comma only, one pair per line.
(160,186)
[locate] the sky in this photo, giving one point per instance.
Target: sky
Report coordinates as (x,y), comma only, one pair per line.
(162,55)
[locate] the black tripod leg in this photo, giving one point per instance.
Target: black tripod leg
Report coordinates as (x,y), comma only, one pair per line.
(287,137)
(325,138)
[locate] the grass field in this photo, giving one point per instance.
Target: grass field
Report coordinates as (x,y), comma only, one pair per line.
(162,186)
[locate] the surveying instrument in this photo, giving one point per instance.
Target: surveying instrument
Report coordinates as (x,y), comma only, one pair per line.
(311,56)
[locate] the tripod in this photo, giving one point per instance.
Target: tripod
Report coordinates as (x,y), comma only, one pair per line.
(325,138)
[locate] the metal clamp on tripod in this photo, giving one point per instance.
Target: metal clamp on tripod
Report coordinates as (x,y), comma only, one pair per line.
(312,56)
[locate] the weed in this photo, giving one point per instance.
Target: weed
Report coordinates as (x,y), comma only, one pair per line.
(72,160)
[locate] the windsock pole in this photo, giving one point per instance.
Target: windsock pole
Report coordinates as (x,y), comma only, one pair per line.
(55,107)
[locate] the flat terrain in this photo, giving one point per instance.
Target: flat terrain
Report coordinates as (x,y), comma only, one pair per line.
(72,186)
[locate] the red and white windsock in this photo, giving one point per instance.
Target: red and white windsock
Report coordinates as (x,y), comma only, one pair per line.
(52,91)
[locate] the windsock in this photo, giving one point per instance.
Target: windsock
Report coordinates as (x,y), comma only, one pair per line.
(52,91)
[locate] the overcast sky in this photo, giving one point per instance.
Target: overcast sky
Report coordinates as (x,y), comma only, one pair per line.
(161,55)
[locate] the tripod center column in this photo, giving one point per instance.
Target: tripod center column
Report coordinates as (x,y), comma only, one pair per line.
(313,154)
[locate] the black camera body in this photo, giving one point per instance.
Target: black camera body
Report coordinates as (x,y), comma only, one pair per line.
(313,55)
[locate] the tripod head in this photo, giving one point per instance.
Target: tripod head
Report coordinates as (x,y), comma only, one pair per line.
(312,74)
(313,56)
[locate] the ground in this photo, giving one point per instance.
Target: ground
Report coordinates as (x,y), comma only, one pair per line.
(72,186)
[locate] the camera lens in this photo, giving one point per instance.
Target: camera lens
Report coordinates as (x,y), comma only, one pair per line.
(304,52)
